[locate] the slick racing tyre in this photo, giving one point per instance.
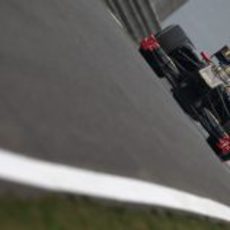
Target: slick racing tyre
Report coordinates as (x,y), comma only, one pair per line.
(173,37)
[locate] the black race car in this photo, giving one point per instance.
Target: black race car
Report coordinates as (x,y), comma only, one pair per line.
(199,84)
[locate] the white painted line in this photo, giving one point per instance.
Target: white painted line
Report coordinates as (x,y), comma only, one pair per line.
(116,19)
(62,178)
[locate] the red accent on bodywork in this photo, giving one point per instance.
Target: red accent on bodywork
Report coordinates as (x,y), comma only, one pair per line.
(206,57)
(150,43)
(224,145)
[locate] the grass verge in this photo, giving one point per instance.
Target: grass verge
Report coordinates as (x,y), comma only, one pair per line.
(68,213)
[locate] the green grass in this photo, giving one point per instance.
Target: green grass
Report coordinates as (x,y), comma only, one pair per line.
(66,213)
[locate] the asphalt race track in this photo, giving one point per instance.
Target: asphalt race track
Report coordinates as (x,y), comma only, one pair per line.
(74,90)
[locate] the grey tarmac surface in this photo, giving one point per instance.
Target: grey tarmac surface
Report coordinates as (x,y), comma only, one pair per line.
(74,90)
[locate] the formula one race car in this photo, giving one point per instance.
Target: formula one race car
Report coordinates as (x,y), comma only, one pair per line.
(201,85)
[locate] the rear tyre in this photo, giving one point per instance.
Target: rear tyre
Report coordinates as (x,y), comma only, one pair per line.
(173,37)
